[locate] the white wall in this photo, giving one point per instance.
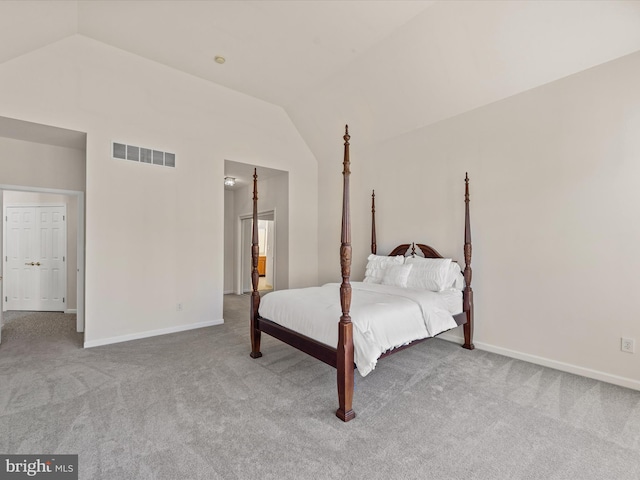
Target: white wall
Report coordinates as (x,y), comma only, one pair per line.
(39,165)
(154,235)
(554,209)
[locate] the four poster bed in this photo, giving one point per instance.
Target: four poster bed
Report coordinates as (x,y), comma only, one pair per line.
(402,301)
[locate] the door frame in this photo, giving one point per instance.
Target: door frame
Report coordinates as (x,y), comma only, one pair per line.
(241,240)
(80,274)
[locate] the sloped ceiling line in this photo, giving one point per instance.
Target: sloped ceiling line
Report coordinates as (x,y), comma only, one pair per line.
(386,67)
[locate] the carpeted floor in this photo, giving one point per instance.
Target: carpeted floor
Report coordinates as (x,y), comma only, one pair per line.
(48,327)
(194,405)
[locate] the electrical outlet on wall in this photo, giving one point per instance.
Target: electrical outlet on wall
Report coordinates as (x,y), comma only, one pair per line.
(628,345)
(179,307)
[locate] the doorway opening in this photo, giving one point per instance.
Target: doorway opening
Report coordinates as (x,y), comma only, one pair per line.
(43,266)
(266,252)
(273,218)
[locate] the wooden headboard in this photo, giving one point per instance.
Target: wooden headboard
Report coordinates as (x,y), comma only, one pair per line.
(407,249)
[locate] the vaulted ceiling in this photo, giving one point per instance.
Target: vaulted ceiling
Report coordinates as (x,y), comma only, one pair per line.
(385,67)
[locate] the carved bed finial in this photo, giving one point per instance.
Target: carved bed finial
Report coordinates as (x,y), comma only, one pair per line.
(346,163)
(374,246)
(466,187)
(413,249)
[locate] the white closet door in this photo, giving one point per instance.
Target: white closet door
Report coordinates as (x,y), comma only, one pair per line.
(35,274)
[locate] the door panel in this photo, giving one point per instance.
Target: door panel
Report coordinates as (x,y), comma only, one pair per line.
(20,278)
(52,256)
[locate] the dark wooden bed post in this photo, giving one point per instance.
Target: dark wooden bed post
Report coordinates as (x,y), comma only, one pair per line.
(468,292)
(374,246)
(345,328)
(255,295)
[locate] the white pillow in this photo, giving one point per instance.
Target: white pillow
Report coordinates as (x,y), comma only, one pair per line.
(429,273)
(456,279)
(376,265)
(396,275)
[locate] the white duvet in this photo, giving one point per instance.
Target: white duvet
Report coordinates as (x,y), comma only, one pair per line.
(383,317)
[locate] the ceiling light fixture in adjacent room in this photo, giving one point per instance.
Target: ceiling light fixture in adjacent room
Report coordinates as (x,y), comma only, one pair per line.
(229,181)
(219,59)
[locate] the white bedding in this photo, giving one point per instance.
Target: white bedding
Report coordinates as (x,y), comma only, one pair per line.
(453,298)
(383,316)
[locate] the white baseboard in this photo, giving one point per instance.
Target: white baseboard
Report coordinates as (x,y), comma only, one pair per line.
(546,362)
(151,333)
(71,310)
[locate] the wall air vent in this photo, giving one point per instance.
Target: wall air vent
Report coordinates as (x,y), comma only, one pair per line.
(143,155)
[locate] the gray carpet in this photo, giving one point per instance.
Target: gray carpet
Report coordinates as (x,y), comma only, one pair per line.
(194,405)
(52,328)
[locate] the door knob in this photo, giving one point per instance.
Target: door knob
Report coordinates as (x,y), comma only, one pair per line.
(37,264)
(32,264)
